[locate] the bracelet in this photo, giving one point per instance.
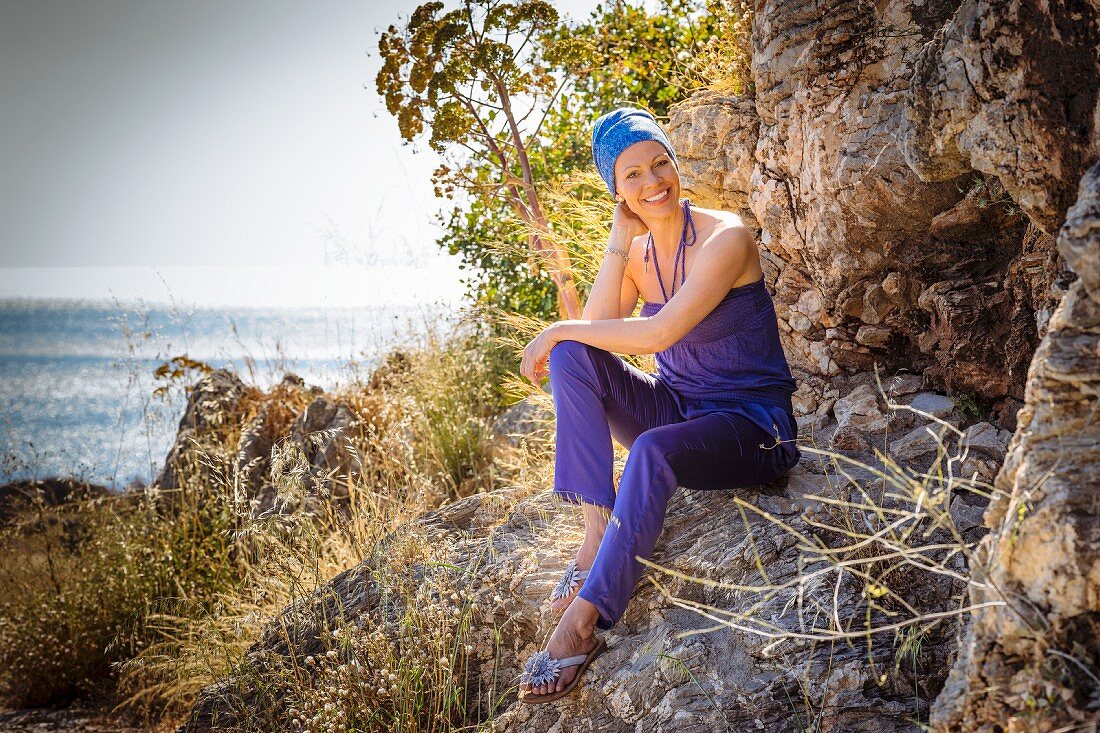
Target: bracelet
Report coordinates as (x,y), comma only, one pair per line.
(619,252)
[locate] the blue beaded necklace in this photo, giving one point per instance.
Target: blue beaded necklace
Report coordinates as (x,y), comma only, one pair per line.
(680,260)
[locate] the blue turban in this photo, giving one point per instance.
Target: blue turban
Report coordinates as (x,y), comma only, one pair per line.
(618,130)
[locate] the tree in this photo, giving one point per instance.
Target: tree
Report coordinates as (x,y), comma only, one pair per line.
(482,77)
(566,76)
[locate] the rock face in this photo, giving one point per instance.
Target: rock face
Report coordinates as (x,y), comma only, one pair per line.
(318,431)
(715,139)
(210,403)
(895,229)
(651,679)
(1027,663)
(1008,89)
(321,432)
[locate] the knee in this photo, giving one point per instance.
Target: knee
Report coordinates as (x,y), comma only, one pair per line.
(649,443)
(652,449)
(649,467)
(569,354)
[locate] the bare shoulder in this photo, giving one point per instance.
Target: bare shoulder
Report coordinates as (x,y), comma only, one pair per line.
(724,229)
(731,244)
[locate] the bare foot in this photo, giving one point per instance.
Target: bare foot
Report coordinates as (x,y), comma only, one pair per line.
(574,635)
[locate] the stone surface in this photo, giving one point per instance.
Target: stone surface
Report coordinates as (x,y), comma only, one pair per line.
(322,434)
(860,409)
(992,84)
(983,439)
(933,404)
(715,138)
(68,720)
(918,444)
(1042,556)
(210,402)
(522,420)
(902,384)
(652,678)
(878,256)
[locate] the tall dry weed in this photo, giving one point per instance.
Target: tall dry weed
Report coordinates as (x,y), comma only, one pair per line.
(422,435)
(79,580)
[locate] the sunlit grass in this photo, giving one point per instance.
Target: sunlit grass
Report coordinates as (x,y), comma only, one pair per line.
(146,598)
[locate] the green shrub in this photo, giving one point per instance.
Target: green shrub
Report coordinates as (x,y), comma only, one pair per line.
(79,580)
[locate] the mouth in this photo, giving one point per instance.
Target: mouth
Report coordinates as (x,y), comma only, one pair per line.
(659,198)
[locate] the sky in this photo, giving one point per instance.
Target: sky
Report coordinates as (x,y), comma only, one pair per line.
(229,152)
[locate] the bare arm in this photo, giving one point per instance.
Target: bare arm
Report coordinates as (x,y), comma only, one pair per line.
(614,294)
(720,264)
(613,288)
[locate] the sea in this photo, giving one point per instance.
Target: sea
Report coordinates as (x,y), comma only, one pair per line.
(78,392)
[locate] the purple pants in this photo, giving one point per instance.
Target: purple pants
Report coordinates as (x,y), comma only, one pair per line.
(597,395)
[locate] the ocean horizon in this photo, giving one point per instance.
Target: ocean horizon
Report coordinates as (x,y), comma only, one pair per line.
(77,375)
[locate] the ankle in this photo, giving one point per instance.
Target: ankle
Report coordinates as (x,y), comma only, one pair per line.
(586,555)
(581,616)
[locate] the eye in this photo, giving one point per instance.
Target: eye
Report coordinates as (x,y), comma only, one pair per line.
(661,162)
(632,174)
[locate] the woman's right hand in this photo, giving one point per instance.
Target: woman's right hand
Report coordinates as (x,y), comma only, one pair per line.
(627,222)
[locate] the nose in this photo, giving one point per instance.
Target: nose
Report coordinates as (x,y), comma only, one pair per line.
(653,177)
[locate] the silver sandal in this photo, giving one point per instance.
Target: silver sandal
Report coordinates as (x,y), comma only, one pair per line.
(569,582)
(542,669)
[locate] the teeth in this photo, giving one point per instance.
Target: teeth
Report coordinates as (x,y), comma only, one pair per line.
(658,197)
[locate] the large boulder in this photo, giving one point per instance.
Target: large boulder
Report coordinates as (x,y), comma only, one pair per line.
(715,138)
(210,415)
(875,256)
(782,662)
(1031,657)
(1008,89)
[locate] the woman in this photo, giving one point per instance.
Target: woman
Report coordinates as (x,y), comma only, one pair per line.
(715,415)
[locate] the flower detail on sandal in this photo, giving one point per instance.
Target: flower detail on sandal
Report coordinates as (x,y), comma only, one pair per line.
(570,579)
(541,669)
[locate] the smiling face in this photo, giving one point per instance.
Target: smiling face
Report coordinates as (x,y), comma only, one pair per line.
(646,178)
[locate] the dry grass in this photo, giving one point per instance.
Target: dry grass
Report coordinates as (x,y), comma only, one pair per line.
(880,563)
(78,580)
(726,62)
(146,601)
(882,525)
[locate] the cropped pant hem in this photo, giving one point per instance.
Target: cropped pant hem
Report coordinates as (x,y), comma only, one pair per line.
(577,497)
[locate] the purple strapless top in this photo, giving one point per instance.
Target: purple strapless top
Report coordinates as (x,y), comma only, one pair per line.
(732,361)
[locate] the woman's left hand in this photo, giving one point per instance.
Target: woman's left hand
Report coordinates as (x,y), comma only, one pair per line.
(536,356)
